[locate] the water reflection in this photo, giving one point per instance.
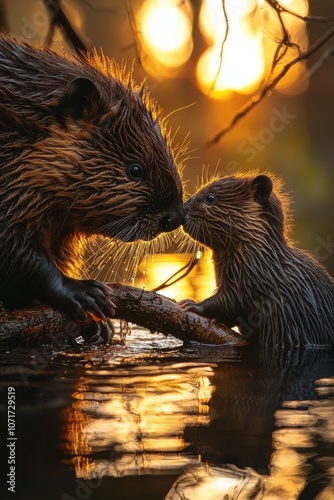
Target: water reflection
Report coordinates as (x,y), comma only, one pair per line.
(137,418)
(304,427)
(213,483)
(301,463)
(146,416)
(271,418)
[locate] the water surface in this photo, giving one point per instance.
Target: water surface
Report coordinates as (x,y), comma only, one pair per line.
(124,422)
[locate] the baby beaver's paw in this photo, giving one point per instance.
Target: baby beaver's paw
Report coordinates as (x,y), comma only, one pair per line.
(81,297)
(191,306)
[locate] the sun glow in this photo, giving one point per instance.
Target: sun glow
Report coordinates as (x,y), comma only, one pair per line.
(155,270)
(244,39)
(239,69)
(166,31)
(235,64)
(244,60)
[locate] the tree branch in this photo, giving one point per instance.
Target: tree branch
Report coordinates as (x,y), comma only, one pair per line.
(281,8)
(213,84)
(244,110)
(59,18)
(147,309)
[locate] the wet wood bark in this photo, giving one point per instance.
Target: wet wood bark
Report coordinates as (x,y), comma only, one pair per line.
(150,310)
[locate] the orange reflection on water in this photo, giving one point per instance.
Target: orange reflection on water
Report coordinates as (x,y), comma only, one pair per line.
(197,285)
(137,417)
(300,425)
(213,483)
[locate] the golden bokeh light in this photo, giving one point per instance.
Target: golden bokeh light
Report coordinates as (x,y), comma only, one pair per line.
(156,269)
(298,6)
(244,60)
(243,39)
(166,29)
(212,20)
(240,69)
(158,26)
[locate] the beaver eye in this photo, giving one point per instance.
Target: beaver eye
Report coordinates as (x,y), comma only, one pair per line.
(135,172)
(210,199)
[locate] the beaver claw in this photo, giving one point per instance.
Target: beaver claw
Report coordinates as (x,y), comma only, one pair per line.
(81,297)
(89,296)
(191,306)
(98,332)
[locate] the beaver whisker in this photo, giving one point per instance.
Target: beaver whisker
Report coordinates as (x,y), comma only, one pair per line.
(124,255)
(117,226)
(129,234)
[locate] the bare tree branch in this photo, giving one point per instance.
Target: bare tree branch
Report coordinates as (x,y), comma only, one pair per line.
(59,18)
(213,84)
(271,85)
(324,56)
(285,42)
(281,8)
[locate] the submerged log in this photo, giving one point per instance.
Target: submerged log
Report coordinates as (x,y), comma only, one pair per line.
(151,310)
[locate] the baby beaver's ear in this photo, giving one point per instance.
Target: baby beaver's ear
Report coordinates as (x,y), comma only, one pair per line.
(81,95)
(262,186)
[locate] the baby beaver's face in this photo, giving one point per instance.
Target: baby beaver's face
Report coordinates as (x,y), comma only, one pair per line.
(227,211)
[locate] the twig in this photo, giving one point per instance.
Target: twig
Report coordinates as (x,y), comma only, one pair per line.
(177,276)
(214,82)
(320,19)
(324,56)
(285,41)
(59,18)
(268,88)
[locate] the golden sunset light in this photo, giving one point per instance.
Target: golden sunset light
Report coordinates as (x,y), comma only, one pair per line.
(242,66)
(240,63)
(166,31)
(167,249)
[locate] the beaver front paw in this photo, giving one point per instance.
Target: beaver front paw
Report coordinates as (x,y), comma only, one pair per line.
(81,297)
(192,306)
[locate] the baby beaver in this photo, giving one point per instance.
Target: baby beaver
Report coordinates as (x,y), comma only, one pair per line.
(275,293)
(81,153)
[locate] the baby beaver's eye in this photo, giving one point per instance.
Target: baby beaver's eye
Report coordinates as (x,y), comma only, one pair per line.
(210,199)
(135,172)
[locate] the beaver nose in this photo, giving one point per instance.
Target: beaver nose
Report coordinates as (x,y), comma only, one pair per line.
(171,220)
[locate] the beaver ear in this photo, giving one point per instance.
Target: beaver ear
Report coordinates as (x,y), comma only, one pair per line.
(262,186)
(81,95)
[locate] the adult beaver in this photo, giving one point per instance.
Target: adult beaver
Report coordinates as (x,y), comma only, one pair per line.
(274,292)
(81,153)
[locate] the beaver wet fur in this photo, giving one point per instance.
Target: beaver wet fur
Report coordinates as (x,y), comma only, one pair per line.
(275,293)
(81,153)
